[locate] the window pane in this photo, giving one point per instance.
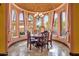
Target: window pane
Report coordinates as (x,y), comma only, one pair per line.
(30,18)
(63,18)
(30,23)
(38,23)
(46,22)
(13,23)
(21,24)
(55,23)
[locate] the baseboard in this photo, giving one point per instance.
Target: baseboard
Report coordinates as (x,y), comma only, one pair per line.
(74,54)
(3,54)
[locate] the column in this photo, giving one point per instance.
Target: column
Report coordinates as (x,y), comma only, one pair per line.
(9,24)
(25,22)
(59,24)
(52,21)
(68,22)
(3,30)
(34,24)
(42,21)
(74,22)
(26,19)
(17,23)
(49,20)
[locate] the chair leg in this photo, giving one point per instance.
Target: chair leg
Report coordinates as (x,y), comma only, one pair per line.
(27,45)
(41,49)
(47,46)
(30,46)
(51,43)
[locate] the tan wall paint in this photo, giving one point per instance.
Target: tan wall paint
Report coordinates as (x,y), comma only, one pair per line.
(75,21)
(2,29)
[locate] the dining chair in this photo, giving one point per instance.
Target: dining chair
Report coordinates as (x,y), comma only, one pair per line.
(30,41)
(44,41)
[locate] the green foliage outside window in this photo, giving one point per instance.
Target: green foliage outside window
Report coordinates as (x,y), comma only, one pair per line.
(22,33)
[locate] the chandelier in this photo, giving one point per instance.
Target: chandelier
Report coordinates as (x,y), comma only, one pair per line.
(38,14)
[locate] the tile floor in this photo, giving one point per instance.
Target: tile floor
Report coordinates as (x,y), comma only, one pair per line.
(20,49)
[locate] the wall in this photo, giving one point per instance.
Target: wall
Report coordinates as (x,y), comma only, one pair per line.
(75,28)
(2,29)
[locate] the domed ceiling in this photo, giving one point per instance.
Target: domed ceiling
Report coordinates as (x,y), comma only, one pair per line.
(38,7)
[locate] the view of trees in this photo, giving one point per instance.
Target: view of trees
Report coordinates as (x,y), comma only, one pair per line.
(38,23)
(30,23)
(63,22)
(13,27)
(21,24)
(46,22)
(55,23)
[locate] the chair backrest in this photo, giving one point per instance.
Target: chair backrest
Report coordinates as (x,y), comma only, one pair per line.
(28,35)
(45,35)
